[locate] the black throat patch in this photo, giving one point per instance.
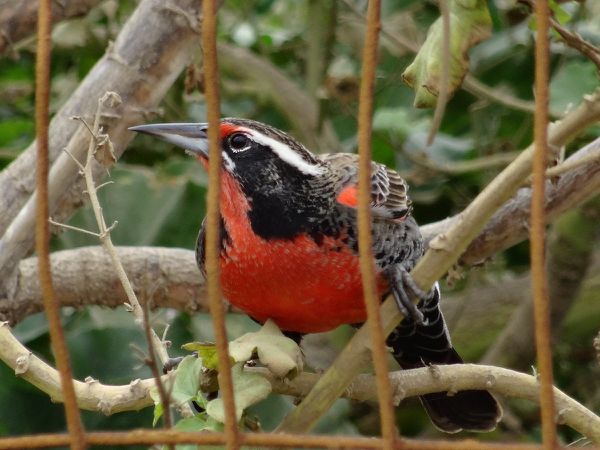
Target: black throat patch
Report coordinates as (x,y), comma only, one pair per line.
(285,203)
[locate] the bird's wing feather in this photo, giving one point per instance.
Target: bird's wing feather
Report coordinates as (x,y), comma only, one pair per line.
(389,198)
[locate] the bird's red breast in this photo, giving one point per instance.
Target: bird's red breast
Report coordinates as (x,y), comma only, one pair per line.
(301,285)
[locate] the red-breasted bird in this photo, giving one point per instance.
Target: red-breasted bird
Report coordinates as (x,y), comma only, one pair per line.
(289,249)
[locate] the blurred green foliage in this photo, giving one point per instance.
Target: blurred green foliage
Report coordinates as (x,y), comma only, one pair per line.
(158,193)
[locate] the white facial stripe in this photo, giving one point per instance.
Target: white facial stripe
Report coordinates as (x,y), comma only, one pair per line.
(228,161)
(285,153)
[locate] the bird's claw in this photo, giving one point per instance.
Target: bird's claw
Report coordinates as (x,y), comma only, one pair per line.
(171,364)
(404,289)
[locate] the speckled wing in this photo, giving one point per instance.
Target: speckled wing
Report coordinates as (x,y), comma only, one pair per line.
(389,197)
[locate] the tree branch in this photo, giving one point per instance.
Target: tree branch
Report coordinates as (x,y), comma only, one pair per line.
(19,19)
(85,276)
(140,71)
(509,225)
(109,399)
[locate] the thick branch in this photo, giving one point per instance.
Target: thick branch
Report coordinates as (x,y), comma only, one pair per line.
(509,225)
(140,71)
(95,396)
(85,276)
(19,19)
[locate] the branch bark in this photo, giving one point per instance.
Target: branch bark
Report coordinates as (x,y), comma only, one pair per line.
(109,399)
(140,71)
(510,224)
(85,276)
(19,19)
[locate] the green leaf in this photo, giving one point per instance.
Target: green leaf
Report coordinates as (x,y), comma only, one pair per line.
(470,23)
(280,354)
(248,388)
(200,422)
(187,380)
(561,14)
(158,412)
(207,351)
(186,386)
(570,83)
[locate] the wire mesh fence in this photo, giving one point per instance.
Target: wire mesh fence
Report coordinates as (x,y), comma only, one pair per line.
(379,323)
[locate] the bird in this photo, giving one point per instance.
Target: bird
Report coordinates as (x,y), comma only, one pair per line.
(289,249)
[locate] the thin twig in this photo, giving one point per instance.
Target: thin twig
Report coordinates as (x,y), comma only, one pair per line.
(481,90)
(575,41)
(105,239)
(537,232)
(71,227)
(365,240)
(163,393)
(460,167)
(261,440)
(572,39)
(211,83)
(42,227)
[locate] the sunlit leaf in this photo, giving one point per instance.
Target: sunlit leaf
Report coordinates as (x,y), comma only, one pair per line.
(207,351)
(280,354)
(249,388)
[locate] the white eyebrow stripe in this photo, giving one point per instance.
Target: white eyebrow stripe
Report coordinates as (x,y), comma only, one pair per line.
(285,153)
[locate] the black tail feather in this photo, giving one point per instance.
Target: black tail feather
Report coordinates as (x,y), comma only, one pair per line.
(419,345)
(470,410)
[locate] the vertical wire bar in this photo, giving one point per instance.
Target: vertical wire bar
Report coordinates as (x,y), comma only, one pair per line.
(42,227)
(537,231)
(211,79)
(372,301)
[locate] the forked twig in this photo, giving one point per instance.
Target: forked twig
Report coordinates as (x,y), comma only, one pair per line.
(133,305)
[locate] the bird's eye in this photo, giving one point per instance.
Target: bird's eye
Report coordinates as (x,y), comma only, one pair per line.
(239,142)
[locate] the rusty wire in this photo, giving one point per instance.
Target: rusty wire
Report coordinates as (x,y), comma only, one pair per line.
(42,227)
(162,436)
(211,92)
(365,244)
(538,223)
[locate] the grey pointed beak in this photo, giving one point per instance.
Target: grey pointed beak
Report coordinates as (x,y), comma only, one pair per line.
(190,136)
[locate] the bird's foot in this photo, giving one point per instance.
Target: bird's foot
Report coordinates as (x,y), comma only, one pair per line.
(404,289)
(171,364)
